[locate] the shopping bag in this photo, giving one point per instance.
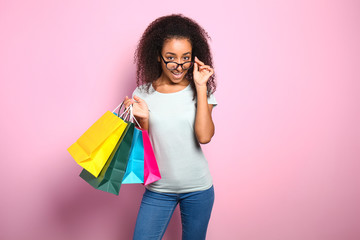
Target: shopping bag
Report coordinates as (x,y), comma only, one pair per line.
(111,176)
(151,169)
(135,168)
(93,148)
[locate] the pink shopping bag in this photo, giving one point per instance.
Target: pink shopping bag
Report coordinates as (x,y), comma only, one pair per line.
(151,169)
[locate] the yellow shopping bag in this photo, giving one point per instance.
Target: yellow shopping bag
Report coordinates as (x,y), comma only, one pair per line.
(93,148)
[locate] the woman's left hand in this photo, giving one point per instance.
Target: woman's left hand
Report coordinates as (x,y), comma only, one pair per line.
(201,73)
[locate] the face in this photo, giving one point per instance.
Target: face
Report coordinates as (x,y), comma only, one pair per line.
(175,50)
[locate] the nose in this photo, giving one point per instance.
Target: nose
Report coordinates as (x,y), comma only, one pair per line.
(179,67)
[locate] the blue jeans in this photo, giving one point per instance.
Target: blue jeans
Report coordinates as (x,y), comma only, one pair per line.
(157,208)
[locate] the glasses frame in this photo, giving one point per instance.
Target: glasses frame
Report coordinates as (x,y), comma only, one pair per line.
(178,64)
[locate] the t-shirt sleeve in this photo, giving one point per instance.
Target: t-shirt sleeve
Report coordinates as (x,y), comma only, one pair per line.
(212,100)
(139,91)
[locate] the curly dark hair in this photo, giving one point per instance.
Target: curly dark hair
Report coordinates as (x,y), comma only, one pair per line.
(148,69)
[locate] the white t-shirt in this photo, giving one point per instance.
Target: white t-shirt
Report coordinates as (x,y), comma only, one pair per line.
(182,164)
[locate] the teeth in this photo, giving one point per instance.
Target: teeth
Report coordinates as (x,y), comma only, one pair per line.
(177,73)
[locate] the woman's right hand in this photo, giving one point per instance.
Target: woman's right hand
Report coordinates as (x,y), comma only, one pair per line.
(140,108)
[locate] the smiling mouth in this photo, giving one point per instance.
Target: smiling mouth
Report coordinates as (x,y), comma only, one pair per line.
(177,73)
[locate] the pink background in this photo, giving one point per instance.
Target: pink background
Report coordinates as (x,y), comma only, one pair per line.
(285,156)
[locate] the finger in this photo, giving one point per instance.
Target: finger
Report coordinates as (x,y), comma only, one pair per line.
(208,72)
(208,68)
(205,67)
(127,102)
(137,98)
(196,68)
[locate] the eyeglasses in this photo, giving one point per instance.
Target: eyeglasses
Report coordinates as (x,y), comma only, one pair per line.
(174,65)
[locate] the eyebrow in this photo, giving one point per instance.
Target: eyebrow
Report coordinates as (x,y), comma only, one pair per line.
(175,54)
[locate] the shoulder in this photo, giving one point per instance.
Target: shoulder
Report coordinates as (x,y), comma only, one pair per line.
(142,90)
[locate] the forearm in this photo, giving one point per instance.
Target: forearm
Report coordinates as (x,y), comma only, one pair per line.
(204,126)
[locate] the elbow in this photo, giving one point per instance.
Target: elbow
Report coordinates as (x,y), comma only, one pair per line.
(204,140)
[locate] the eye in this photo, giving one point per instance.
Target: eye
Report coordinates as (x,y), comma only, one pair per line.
(170,58)
(186,58)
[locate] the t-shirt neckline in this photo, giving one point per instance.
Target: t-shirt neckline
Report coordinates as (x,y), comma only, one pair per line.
(182,90)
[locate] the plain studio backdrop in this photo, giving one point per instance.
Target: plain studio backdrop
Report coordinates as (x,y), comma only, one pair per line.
(285,155)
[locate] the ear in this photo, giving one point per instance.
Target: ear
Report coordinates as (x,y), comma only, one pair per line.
(158,59)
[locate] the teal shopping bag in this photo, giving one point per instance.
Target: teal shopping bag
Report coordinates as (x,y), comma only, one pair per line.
(135,168)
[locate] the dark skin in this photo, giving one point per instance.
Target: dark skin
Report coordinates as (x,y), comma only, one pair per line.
(179,50)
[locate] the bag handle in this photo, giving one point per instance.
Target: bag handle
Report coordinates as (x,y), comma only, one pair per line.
(120,105)
(128,112)
(132,117)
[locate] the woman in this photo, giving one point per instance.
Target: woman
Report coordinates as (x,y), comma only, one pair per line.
(174,101)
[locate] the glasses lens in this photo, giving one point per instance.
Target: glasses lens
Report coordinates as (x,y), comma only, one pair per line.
(187,65)
(171,65)
(174,65)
